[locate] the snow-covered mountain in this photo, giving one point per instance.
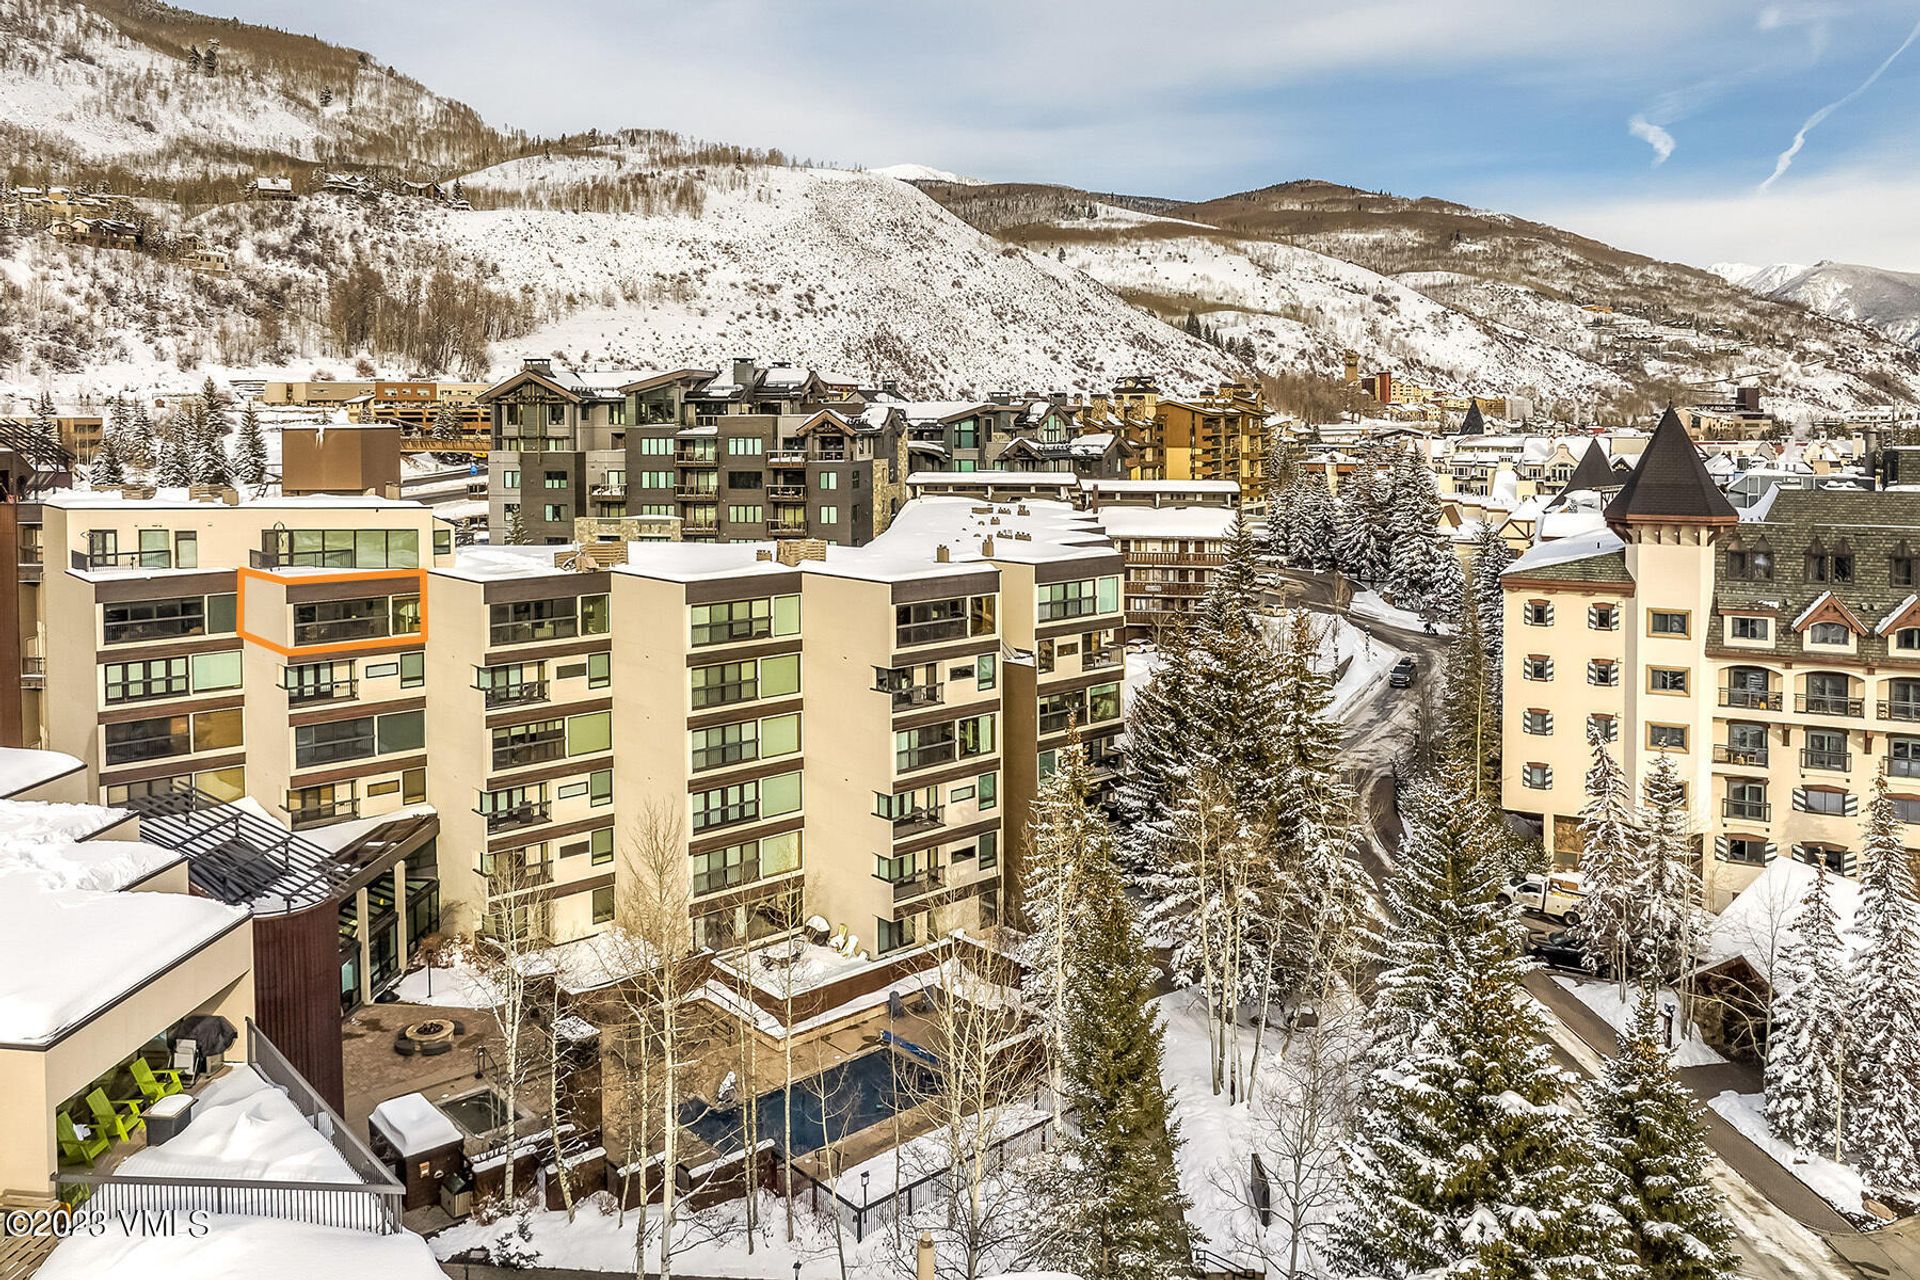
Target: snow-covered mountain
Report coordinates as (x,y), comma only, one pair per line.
(1873,296)
(1466,299)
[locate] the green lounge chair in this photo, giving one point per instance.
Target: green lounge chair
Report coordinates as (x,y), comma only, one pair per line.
(75,1149)
(119,1118)
(155,1085)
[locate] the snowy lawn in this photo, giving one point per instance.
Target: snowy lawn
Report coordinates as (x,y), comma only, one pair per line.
(1369,604)
(1833,1182)
(454,987)
(232,1246)
(1604,999)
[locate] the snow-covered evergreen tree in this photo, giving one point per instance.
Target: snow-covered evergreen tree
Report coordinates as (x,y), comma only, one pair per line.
(1611,858)
(250,448)
(1123,1213)
(1666,897)
(1424,574)
(1468,1159)
(516,530)
(1469,718)
(446,421)
(107,468)
(45,428)
(139,446)
(1882,1116)
(1445,916)
(1491,556)
(1310,524)
(1162,747)
(1649,1131)
(1807,1045)
(1361,528)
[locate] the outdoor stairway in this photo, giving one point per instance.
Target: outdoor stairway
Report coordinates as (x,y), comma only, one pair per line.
(21,1256)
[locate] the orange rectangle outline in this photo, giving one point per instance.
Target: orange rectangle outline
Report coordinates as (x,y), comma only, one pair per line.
(244,572)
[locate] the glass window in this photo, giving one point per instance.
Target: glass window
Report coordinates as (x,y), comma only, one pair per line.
(1667,680)
(986,669)
(589,733)
(786,615)
(1667,737)
(1110,595)
(600,787)
(138,681)
(1750,628)
(1667,622)
(603,904)
(402,731)
(140,621)
(599,670)
(1828,633)
(216,671)
(413,670)
(596,615)
(780,676)
(413,786)
(600,846)
(779,794)
(332,742)
(779,735)
(731,621)
(216,730)
(988,789)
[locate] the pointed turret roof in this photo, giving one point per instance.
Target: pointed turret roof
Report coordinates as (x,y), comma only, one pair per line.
(1473,424)
(1670,484)
(1593,471)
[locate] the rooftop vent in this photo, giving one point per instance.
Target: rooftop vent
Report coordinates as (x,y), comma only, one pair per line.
(941,555)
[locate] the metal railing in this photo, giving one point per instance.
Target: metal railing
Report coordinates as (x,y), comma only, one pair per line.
(1752,699)
(1748,757)
(520,815)
(1899,709)
(1827,704)
(339,689)
(1101,659)
(513,695)
(913,886)
(372,1204)
(1903,766)
(923,819)
(315,814)
(1751,810)
(1814,759)
(916,695)
(521,754)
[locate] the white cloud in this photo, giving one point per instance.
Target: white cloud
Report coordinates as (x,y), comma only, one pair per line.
(1860,216)
(1785,159)
(1654,136)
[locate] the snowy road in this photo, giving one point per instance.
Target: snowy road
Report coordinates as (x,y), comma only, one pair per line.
(1380,727)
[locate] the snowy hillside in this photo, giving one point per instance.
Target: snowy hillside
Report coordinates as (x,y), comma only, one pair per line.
(1885,300)
(1303,309)
(126,83)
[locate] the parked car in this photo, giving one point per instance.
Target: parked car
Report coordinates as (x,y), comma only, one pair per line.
(1562,949)
(1557,897)
(1401,677)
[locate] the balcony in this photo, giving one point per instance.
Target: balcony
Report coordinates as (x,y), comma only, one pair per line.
(1749,810)
(305,695)
(612,492)
(1824,704)
(1750,699)
(33,672)
(1840,761)
(695,493)
(1899,709)
(700,524)
(787,492)
(1107,765)
(516,695)
(906,697)
(530,814)
(522,754)
(695,460)
(935,632)
(928,881)
(924,818)
(785,530)
(1903,766)
(787,458)
(1102,659)
(317,815)
(1743,757)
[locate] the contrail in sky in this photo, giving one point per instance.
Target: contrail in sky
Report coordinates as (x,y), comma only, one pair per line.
(1813,121)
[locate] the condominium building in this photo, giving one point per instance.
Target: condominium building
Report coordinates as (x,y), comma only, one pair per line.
(748,454)
(1775,659)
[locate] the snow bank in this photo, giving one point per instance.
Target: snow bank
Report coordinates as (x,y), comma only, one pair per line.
(1837,1184)
(232,1246)
(1604,999)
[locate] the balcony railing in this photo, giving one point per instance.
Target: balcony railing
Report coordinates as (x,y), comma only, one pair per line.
(1745,757)
(1108,765)
(531,814)
(1812,759)
(787,458)
(515,695)
(1751,810)
(522,754)
(314,815)
(1751,699)
(918,633)
(696,460)
(917,695)
(1824,704)
(338,690)
(787,492)
(925,818)
(365,1196)
(1903,766)
(1899,709)
(1101,659)
(695,492)
(927,881)
(784,530)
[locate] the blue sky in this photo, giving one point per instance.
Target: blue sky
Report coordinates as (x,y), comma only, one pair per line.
(1649,123)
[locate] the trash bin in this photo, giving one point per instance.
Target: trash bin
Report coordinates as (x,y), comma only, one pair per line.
(167,1117)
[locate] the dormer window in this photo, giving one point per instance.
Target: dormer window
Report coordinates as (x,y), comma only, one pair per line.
(1834,633)
(1824,564)
(1750,564)
(1902,568)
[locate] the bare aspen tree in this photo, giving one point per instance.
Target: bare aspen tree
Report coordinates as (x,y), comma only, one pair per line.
(1300,1121)
(656,934)
(515,930)
(555,1008)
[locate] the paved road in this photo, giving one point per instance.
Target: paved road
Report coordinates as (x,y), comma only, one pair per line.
(1785,1231)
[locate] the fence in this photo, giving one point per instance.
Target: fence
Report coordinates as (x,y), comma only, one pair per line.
(927,1189)
(371,1204)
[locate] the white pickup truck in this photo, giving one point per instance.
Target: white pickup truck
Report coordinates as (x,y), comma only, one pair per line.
(1558,896)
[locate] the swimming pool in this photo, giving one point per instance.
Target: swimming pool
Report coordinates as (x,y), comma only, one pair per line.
(845,1098)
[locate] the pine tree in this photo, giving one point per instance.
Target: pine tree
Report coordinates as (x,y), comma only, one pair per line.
(1360,532)
(1470,720)
(1310,525)
(1807,1046)
(107,468)
(1423,574)
(1468,1159)
(1161,747)
(446,421)
(250,448)
(1649,1131)
(1444,913)
(1666,896)
(139,446)
(1882,1118)
(1610,833)
(208,463)
(45,430)
(516,530)
(1124,1213)
(1491,556)
(172,467)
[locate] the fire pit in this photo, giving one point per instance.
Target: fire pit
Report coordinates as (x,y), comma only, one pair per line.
(429,1037)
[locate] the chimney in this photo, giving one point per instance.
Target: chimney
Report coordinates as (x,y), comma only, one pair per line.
(941,555)
(537,364)
(742,371)
(986,548)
